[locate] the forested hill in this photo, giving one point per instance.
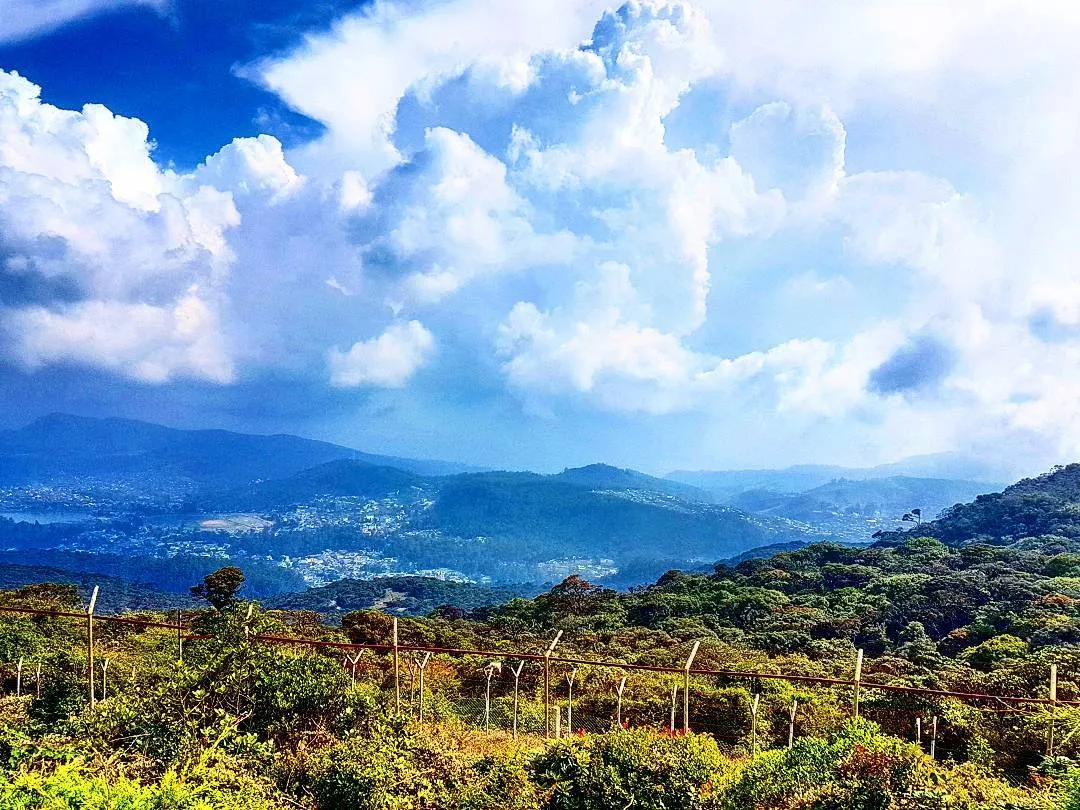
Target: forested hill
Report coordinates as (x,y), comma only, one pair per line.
(66,447)
(918,601)
(1040,510)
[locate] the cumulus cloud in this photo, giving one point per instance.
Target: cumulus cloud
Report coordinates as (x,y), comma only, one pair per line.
(797,151)
(113,242)
(867,206)
(395,47)
(151,344)
(448,216)
(386,361)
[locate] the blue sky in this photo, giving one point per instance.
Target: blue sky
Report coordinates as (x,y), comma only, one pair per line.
(660,234)
(172,67)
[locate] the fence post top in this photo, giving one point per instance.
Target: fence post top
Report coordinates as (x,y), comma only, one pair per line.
(693,654)
(93,601)
(551,646)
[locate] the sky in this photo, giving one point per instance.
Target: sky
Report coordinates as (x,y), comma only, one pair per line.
(666,235)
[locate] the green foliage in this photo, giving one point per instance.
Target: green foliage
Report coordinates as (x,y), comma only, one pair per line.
(220,587)
(862,770)
(411,596)
(211,784)
(632,769)
(254,725)
(1005,647)
(1044,506)
(394,768)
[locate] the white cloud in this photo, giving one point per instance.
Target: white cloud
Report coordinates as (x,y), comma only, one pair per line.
(87,180)
(522,194)
(249,166)
(394,47)
(83,204)
(595,345)
(386,361)
(21,19)
(147,343)
(449,216)
(799,152)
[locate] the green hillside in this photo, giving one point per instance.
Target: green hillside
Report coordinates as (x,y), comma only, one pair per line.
(1047,506)
(245,723)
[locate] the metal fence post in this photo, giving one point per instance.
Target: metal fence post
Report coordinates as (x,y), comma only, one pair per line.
(570,679)
(918,731)
(397,671)
(411,664)
(686,689)
(674,698)
(933,739)
(547,683)
(422,665)
(90,643)
(179,635)
(517,674)
(18,679)
(791,724)
(753,724)
(37,681)
(618,702)
(104,678)
(858,680)
(491,669)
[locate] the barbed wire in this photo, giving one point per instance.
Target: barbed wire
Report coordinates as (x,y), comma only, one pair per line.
(1010,700)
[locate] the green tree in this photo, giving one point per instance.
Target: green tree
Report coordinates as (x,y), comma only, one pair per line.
(220,587)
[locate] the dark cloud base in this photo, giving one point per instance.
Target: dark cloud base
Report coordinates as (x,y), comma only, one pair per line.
(918,366)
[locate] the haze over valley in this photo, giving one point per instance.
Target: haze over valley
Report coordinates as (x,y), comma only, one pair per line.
(160,508)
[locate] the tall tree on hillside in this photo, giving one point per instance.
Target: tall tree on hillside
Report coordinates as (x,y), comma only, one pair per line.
(220,587)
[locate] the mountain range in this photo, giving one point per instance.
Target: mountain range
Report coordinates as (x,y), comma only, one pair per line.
(69,447)
(800,478)
(160,506)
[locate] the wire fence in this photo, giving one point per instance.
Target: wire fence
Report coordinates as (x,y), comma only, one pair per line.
(521,692)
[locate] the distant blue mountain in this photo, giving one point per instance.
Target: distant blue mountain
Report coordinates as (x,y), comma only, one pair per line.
(723,484)
(61,445)
(875,497)
(594,512)
(604,476)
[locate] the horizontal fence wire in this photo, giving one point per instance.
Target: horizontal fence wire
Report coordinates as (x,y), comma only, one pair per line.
(1009,700)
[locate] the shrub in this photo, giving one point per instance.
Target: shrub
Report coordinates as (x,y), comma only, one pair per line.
(861,769)
(211,784)
(638,768)
(393,768)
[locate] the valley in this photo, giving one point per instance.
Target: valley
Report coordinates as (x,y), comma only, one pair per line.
(160,508)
